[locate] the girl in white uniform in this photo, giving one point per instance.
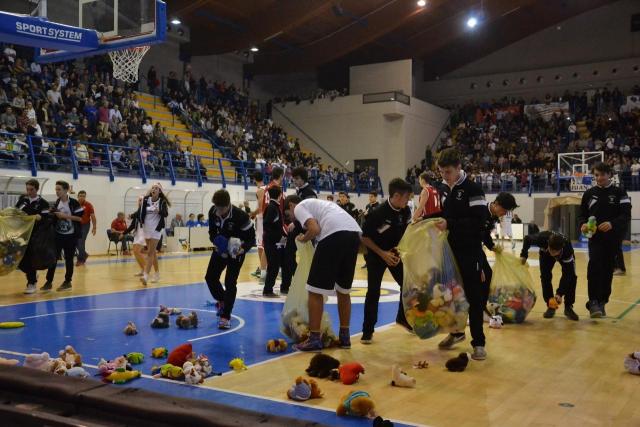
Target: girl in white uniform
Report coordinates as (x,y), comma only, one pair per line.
(152,213)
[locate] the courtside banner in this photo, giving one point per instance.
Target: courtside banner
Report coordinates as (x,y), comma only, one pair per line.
(38,32)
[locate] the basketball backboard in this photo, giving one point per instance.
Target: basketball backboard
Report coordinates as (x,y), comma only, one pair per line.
(119,24)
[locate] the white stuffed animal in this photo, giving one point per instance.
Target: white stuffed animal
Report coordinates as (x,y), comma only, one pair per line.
(496,322)
(632,363)
(191,374)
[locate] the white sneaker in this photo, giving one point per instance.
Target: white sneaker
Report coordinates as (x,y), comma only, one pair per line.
(139,274)
(144,279)
(31,288)
(155,278)
(479,353)
(450,340)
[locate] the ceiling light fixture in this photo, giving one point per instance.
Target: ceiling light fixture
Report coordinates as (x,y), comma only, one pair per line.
(254,49)
(176,21)
(422,3)
(472,22)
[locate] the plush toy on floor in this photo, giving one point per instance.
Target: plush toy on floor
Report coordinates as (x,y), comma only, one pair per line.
(77,372)
(70,356)
(170,311)
(238,365)
(168,371)
(40,361)
(187,322)
(321,365)
(458,363)
(135,358)
(277,346)
(421,364)
(105,368)
(632,363)
(349,373)
(381,422)
(203,365)
(161,321)
(304,389)
(400,378)
(9,362)
(496,322)
(122,376)
(130,329)
(356,404)
(59,367)
(159,352)
(191,374)
(179,355)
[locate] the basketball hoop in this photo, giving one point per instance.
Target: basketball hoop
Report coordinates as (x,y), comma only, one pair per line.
(126,62)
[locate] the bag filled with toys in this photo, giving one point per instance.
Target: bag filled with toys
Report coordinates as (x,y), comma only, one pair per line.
(511,295)
(15,231)
(295,313)
(433,297)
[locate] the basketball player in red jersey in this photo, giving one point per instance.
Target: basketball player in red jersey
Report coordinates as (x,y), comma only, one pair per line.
(429,201)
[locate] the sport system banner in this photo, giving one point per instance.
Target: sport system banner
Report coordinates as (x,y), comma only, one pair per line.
(38,32)
(546,111)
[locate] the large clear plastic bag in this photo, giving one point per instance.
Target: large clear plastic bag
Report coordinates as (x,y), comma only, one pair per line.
(15,232)
(511,294)
(295,313)
(433,297)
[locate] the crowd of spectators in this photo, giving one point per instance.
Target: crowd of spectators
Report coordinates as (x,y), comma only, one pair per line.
(313,96)
(506,149)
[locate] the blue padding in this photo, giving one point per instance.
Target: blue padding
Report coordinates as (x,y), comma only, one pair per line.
(38,32)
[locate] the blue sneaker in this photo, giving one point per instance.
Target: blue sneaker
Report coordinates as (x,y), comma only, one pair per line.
(313,345)
(344,340)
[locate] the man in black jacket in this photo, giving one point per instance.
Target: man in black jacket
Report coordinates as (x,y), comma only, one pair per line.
(464,213)
(274,240)
(611,207)
(32,204)
(226,222)
(345,203)
(554,247)
(68,213)
(383,228)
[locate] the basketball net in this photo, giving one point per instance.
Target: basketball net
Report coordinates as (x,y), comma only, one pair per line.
(126,62)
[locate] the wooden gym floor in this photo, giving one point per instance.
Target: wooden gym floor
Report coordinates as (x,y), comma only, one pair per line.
(545,372)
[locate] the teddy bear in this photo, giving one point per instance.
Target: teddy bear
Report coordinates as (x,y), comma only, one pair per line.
(400,378)
(59,367)
(276,346)
(77,372)
(356,404)
(321,365)
(170,311)
(40,361)
(304,389)
(458,363)
(135,358)
(349,373)
(203,365)
(107,367)
(496,322)
(295,327)
(168,371)
(130,329)
(70,356)
(381,422)
(187,322)
(159,352)
(191,374)
(180,354)
(632,363)
(161,321)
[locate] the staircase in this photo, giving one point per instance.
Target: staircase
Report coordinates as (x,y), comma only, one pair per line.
(201,147)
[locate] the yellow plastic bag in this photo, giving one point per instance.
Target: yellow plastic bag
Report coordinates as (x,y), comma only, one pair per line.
(511,295)
(15,232)
(433,297)
(295,313)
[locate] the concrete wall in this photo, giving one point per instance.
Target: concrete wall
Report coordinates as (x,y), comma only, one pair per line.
(226,67)
(381,77)
(396,134)
(269,86)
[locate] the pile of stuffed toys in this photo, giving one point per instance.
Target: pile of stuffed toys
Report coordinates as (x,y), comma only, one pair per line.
(68,363)
(511,303)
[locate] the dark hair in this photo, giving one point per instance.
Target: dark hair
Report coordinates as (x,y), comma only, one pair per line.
(373,193)
(300,173)
(200,216)
(449,157)
(330,197)
(276,173)
(258,176)
(33,183)
(556,241)
(602,168)
(399,185)
(340,193)
(81,192)
(291,199)
(507,201)
(275,192)
(221,198)
(425,176)
(63,184)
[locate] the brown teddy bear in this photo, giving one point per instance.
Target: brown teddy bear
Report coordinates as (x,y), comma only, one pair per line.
(70,357)
(356,404)
(321,365)
(187,322)
(304,389)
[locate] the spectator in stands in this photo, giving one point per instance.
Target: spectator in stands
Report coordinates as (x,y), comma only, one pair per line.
(191,222)
(9,120)
(118,229)
(516,219)
(175,222)
(201,221)
(345,203)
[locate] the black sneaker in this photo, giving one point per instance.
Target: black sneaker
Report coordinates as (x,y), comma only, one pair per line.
(284,291)
(549,313)
(570,314)
(604,313)
(344,339)
(595,312)
(46,287)
(366,338)
(66,285)
(270,294)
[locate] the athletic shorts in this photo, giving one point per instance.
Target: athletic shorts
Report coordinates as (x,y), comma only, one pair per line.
(138,238)
(259,231)
(334,263)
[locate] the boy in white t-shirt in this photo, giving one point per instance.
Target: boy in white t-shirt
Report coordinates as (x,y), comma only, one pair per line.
(338,238)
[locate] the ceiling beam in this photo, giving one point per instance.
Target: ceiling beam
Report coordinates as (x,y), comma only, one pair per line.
(379,22)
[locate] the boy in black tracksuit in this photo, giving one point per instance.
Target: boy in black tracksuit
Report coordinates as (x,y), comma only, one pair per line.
(274,240)
(228,221)
(611,207)
(381,232)
(464,212)
(554,247)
